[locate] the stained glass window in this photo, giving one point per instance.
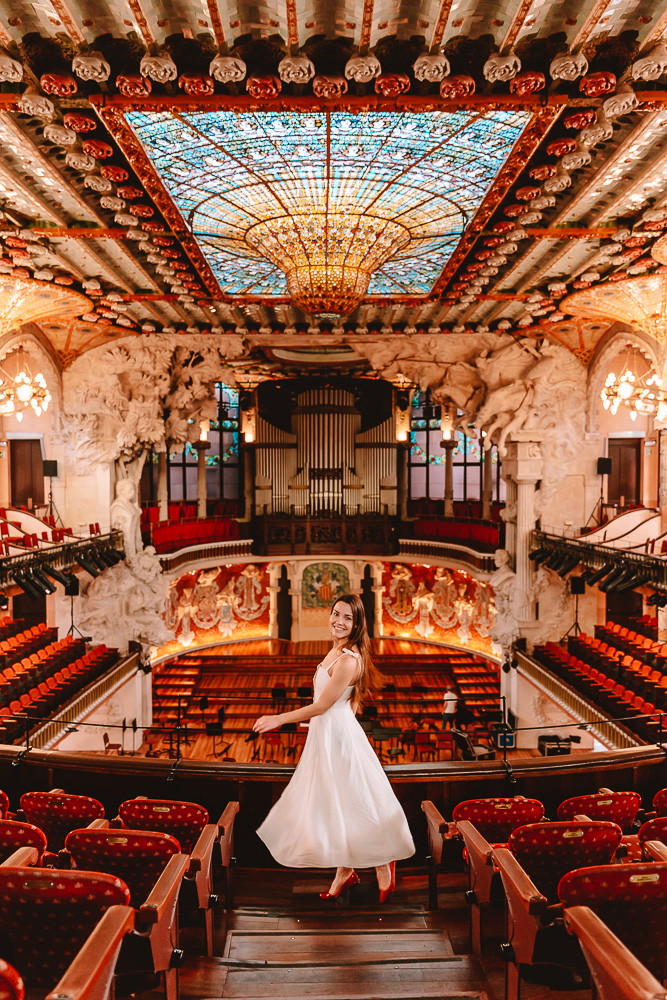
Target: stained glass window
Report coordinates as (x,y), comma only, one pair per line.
(234,176)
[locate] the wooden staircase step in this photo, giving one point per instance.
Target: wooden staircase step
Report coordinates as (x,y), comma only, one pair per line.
(354,943)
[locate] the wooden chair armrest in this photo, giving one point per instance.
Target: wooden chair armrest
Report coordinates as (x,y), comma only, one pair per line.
(608,957)
(524,890)
(473,838)
(99,824)
(90,973)
(226,833)
(437,829)
(22,858)
(164,890)
(655,850)
(200,858)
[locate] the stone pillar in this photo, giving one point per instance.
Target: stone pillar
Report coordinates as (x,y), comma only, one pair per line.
(162,485)
(402,481)
(523,465)
(449,447)
(662,477)
(487,485)
(248,481)
(202,447)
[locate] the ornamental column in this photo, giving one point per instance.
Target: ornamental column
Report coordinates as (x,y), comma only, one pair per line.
(162,485)
(487,485)
(202,447)
(523,466)
(449,447)
(402,481)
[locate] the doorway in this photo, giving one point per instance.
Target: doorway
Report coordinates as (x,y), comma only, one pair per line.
(624,482)
(28,610)
(284,606)
(26,472)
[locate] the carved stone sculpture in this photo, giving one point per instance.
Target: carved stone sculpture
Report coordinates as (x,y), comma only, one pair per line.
(509,602)
(498,68)
(11,70)
(126,516)
(568,66)
(160,68)
(431,67)
(296,69)
(227,69)
(91,66)
(362,69)
(127,602)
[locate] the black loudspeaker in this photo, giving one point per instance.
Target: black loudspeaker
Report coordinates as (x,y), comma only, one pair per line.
(577,585)
(72,588)
(604,466)
(50,468)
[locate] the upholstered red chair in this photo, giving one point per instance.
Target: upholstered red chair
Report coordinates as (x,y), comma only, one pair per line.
(631,900)
(47,916)
(538,856)
(546,851)
(151,865)
(182,820)
(188,822)
(14,835)
(496,818)
(617,807)
(660,802)
(11,984)
(616,973)
(4,804)
(56,813)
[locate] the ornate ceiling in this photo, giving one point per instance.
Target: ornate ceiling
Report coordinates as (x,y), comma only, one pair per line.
(209,165)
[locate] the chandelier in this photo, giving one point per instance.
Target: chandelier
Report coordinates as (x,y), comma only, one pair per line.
(19,391)
(328,259)
(639,302)
(640,393)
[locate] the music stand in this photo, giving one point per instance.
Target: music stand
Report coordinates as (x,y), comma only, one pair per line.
(214,729)
(252,737)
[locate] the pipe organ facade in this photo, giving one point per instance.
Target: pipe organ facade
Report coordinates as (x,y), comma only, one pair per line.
(326,464)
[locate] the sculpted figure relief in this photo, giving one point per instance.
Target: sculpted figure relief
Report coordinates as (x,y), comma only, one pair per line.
(509,601)
(126,516)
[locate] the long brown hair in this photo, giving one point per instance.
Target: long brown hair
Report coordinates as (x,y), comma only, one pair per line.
(368,679)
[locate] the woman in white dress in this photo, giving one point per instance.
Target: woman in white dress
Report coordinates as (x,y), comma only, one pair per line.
(339,808)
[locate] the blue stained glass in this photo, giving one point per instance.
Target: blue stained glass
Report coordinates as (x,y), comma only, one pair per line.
(428,171)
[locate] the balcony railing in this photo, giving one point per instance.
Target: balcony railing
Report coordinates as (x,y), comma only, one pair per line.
(357,535)
(222,551)
(415,548)
(613,736)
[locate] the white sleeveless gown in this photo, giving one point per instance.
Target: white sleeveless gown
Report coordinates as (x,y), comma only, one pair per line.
(339,809)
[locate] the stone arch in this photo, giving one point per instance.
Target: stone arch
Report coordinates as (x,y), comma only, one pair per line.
(608,350)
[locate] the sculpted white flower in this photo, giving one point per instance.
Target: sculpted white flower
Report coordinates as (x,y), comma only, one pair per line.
(227,69)
(33,103)
(114,204)
(558,182)
(601,131)
(296,69)
(159,68)
(568,66)
(498,68)
(59,135)
(79,160)
(432,68)
(620,103)
(125,219)
(11,71)
(652,66)
(544,201)
(362,69)
(91,66)
(576,160)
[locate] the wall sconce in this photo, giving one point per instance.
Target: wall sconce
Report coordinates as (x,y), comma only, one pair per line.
(447,422)
(249,424)
(401,435)
(204,428)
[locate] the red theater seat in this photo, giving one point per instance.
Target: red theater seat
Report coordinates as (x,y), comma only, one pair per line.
(56,813)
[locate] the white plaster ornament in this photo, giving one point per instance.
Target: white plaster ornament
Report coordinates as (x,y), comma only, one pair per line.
(161,68)
(499,68)
(580,157)
(31,102)
(227,69)
(91,66)
(96,183)
(296,69)
(114,204)
(431,67)
(621,103)
(600,131)
(568,66)
(80,161)
(11,70)
(362,69)
(652,66)
(59,135)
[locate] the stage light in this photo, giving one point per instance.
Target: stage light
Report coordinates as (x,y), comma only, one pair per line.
(56,574)
(637,580)
(539,554)
(28,586)
(556,561)
(568,565)
(86,564)
(42,580)
(614,580)
(598,574)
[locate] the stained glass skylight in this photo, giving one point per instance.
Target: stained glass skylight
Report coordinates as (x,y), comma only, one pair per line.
(279,200)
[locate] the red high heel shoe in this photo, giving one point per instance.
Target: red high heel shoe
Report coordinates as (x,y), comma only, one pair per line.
(386,893)
(347,884)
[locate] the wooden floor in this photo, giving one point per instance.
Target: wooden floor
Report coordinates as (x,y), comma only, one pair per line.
(282,941)
(239,679)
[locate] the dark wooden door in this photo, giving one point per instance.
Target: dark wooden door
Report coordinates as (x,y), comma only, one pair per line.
(284,606)
(27,476)
(624,483)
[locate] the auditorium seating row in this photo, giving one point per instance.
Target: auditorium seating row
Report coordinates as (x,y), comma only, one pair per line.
(643,678)
(650,651)
(481,534)
(612,695)
(462,509)
(40,684)
(25,642)
(115,904)
(587,858)
(167,536)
